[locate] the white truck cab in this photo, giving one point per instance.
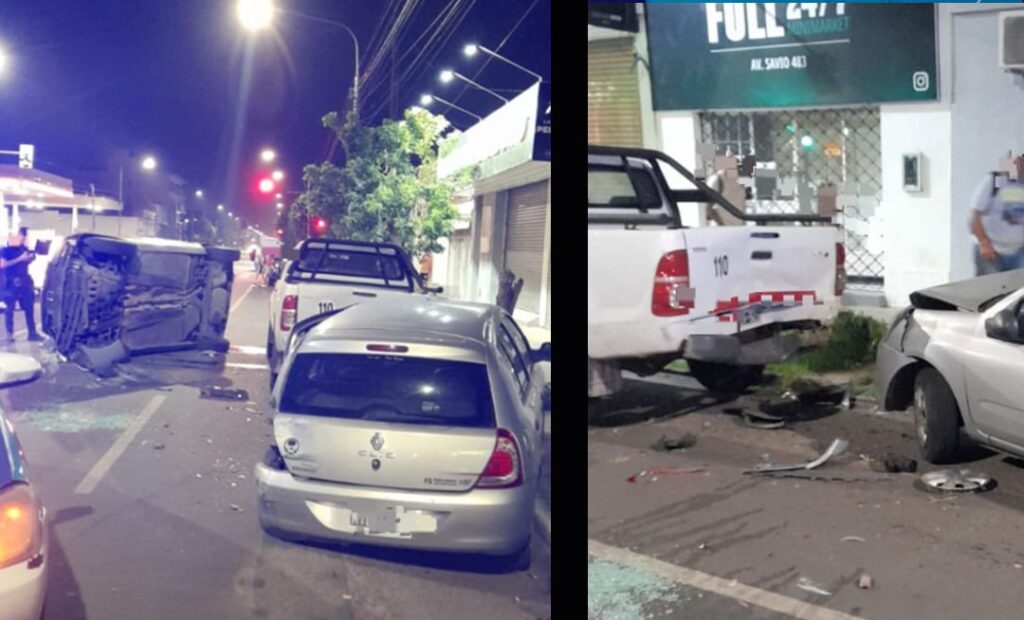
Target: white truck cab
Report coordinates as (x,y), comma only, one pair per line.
(725,298)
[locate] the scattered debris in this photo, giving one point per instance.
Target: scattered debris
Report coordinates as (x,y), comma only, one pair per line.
(852,539)
(213,391)
(828,476)
(236,508)
(703,546)
(764,421)
(894,464)
(622,458)
(651,475)
(811,392)
(158,446)
(809,586)
(251,410)
(864,582)
(668,444)
(837,447)
(956,481)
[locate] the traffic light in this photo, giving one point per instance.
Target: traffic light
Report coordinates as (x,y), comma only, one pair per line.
(280,233)
(317,226)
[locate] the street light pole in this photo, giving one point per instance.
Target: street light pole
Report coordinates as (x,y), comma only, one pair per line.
(355,44)
(473,48)
(120,196)
(446,76)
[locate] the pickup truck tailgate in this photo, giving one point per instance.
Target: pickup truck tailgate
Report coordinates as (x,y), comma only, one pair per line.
(788,272)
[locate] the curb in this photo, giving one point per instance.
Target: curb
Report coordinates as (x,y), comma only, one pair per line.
(542,516)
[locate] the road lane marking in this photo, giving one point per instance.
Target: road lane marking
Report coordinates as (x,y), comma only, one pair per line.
(248,366)
(723,587)
(246,350)
(241,299)
(106,461)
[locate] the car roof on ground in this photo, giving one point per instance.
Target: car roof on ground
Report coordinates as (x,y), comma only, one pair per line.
(412,315)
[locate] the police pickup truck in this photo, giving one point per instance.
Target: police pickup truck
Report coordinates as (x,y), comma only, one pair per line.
(727,299)
(329,274)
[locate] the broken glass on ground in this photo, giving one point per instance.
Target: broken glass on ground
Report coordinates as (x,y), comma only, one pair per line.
(837,447)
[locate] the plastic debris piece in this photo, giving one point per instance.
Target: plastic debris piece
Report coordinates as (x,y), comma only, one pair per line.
(864,582)
(809,586)
(668,444)
(213,391)
(236,508)
(851,539)
(837,447)
(650,475)
(158,446)
(762,421)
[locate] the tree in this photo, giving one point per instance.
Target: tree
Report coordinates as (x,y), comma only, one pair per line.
(388,189)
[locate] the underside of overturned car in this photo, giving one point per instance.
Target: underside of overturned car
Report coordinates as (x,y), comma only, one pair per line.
(106,298)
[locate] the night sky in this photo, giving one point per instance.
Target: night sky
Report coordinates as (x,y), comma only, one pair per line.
(87,77)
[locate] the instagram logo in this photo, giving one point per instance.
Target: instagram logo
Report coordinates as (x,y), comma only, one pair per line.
(921,81)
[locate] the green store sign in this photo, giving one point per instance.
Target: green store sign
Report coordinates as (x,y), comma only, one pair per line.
(754,55)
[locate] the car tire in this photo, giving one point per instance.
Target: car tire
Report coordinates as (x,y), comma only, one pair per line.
(936,417)
(725,379)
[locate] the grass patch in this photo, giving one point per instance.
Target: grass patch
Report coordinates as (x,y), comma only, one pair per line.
(679,366)
(851,346)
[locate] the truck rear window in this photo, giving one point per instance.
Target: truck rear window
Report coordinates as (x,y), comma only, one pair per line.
(356,265)
(385,388)
(615,188)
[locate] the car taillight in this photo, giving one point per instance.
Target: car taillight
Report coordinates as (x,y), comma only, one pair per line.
(840,269)
(289,310)
(21,525)
(672,293)
(503,469)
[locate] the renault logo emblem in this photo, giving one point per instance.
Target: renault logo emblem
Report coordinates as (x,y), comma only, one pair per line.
(291,446)
(377,442)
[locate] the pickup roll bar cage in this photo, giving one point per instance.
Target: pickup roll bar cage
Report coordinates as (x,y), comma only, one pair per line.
(703,193)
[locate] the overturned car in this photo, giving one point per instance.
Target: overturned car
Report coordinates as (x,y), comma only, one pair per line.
(957,356)
(106,298)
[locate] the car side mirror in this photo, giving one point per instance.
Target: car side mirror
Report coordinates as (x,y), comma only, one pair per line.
(18,369)
(1006,325)
(543,354)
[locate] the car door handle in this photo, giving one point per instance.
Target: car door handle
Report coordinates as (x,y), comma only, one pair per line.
(363,294)
(761,255)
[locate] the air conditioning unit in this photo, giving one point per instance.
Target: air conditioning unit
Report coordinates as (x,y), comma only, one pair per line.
(1011,40)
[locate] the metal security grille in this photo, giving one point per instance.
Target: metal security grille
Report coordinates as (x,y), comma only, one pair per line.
(794,154)
(613,98)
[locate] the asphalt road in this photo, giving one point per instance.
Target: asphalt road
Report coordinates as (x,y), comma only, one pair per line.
(718,544)
(152,504)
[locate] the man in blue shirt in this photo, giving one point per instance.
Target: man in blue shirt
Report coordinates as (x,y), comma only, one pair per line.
(18,285)
(997,220)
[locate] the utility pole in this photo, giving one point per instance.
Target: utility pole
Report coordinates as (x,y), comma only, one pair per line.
(92,192)
(394,84)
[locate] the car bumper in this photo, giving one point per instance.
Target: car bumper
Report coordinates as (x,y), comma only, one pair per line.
(23,590)
(490,521)
(889,360)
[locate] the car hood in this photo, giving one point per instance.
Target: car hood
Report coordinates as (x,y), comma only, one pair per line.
(969,294)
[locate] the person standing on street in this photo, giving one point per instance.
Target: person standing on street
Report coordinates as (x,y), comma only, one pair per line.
(997,220)
(18,286)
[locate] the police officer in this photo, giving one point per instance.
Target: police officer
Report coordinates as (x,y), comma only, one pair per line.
(997,220)
(18,285)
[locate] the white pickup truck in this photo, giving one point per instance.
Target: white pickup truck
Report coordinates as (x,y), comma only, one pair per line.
(727,299)
(328,275)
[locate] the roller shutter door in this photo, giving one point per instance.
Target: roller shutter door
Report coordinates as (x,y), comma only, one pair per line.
(524,245)
(613,95)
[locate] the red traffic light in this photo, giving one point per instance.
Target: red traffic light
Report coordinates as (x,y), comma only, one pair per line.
(317,226)
(267,186)
(280,232)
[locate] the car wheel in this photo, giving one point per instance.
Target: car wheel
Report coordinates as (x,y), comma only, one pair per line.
(936,417)
(725,379)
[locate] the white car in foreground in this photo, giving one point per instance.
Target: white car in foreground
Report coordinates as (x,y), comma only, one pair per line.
(410,423)
(23,536)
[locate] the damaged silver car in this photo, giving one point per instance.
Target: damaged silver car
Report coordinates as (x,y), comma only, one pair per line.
(956,355)
(107,298)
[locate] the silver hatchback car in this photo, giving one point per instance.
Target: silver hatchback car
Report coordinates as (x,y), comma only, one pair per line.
(407,423)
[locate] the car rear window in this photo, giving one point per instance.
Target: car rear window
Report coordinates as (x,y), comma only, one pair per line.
(385,388)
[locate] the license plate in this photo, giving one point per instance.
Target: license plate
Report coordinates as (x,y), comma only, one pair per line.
(376,521)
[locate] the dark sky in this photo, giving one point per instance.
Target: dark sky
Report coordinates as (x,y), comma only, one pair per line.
(87,77)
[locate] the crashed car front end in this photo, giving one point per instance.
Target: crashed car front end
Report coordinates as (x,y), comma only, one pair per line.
(106,298)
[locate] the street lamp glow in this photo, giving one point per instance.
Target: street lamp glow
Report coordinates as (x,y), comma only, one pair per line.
(149,163)
(268,155)
(255,14)
(470,50)
(426,100)
(266,186)
(277,175)
(199,193)
(447,75)
(220,207)
(3,61)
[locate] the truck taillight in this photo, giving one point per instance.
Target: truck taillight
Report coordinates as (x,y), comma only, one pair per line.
(672,293)
(289,309)
(840,269)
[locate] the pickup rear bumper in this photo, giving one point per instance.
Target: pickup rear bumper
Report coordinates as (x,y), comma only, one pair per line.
(732,350)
